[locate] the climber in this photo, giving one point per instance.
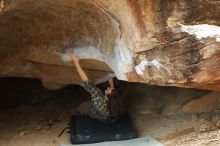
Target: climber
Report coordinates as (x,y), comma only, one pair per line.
(104,107)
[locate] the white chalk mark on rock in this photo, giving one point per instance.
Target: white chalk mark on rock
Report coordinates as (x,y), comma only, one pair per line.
(140,68)
(202,31)
(120,61)
(87,52)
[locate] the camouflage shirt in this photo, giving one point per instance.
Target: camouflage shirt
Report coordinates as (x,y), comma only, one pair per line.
(98,107)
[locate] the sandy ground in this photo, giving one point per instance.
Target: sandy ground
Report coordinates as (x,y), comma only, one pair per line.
(39,125)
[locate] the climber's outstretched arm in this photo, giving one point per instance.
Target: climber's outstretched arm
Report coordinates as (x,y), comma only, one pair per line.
(111,82)
(75,60)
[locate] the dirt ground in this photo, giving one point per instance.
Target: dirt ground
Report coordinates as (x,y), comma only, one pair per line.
(40,124)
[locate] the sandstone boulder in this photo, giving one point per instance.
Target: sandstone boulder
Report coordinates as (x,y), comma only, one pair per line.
(158,42)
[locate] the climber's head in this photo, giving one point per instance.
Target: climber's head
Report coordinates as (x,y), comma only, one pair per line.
(108,91)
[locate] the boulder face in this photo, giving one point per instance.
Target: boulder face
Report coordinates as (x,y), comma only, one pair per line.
(158,42)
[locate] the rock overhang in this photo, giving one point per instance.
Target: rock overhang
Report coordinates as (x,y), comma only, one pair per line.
(141,41)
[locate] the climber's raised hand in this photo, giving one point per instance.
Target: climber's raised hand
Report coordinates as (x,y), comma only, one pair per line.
(73,56)
(75,59)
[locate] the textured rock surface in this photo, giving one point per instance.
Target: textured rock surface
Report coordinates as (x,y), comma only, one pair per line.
(162,42)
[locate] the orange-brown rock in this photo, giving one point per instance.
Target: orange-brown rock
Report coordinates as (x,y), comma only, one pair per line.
(206,103)
(160,42)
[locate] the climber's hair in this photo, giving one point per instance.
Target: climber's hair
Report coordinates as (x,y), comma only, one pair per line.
(115,103)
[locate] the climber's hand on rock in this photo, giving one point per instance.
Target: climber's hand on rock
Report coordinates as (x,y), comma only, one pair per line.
(73,56)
